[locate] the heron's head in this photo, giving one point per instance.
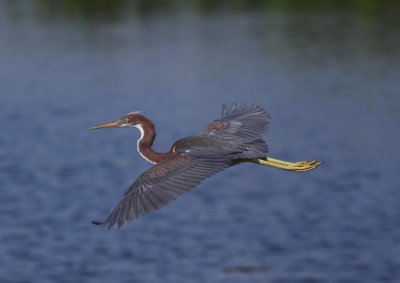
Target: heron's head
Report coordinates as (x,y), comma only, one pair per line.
(131,120)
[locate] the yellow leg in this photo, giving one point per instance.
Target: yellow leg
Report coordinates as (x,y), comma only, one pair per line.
(300,166)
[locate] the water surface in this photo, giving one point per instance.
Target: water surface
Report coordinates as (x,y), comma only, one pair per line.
(329,77)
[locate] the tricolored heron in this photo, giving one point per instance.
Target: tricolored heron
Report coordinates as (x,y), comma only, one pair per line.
(233,139)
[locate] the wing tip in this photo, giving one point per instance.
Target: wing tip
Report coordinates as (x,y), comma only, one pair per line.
(97,222)
(226,110)
(107,223)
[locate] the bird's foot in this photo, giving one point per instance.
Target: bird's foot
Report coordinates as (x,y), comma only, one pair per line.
(300,166)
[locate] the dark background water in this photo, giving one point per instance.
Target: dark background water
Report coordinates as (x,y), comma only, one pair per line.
(327,71)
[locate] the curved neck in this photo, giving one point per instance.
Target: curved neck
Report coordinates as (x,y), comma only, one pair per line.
(148,134)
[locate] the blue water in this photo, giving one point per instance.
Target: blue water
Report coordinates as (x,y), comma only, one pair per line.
(329,80)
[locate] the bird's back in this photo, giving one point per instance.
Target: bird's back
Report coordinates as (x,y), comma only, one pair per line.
(206,146)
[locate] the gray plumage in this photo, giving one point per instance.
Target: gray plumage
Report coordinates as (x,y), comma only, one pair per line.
(235,137)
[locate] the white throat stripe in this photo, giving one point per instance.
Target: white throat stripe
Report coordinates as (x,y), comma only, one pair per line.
(140,127)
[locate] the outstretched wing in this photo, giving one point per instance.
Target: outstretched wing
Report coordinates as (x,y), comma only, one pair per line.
(246,122)
(162,184)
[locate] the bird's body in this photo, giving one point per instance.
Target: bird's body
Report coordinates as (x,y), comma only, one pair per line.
(233,139)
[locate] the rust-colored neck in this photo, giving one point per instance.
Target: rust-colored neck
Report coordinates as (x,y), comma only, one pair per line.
(148,134)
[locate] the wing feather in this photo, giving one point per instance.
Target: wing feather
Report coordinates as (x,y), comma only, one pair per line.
(246,122)
(162,184)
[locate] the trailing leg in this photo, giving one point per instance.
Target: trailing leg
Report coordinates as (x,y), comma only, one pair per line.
(300,166)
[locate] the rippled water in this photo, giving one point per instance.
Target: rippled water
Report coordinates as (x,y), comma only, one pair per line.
(329,79)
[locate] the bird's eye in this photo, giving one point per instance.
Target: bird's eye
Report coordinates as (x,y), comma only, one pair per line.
(125,120)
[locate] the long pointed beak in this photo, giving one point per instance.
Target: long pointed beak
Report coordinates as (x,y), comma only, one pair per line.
(106,125)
